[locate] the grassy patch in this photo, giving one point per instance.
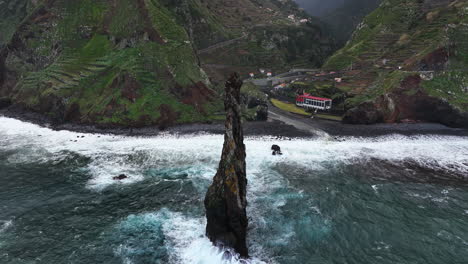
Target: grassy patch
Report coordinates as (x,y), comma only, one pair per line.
(329,117)
(292,108)
(451,86)
(252,90)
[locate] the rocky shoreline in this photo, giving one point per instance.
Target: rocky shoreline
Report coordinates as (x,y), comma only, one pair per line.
(272,128)
(257,128)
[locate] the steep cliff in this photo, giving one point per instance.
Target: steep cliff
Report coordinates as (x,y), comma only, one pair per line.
(341,16)
(407,61)
(270,34)
(226,200)
(110,62)
(131,63)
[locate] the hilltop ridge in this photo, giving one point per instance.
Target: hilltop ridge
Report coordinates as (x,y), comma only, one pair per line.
(127,63)
(407,60)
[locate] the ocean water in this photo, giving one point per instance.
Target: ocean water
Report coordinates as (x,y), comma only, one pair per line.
(391,199)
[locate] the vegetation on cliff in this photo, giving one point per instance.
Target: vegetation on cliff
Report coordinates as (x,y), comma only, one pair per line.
(340,16)
(122,62)
(106,62)
(270,34)
(408,59)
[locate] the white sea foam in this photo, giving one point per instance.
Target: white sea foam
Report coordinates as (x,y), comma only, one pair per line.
(183,236)
(113,155)
(4,225)
(198,157)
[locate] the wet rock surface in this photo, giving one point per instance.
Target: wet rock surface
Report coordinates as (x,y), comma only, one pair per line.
(120,177)
(226,201)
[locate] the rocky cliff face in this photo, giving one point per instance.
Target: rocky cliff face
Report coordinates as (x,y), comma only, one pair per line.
(226,201)
(341,16)
(123,62)
(268,34)
(108,62)
(406,63)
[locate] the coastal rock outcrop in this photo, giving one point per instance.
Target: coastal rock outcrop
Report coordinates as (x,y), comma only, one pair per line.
(226,201)
(120,177)
(4,102)
(400,106)
(366,113)
(254,103)
(413,71)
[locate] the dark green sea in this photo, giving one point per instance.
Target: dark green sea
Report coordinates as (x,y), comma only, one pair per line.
(390,199)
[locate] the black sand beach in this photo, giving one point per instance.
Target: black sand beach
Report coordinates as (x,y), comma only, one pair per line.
(279,124)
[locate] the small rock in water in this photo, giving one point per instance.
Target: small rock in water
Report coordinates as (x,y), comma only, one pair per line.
(276,150)
(120,177)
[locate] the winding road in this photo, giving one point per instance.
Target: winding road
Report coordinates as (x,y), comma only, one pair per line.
(301,123)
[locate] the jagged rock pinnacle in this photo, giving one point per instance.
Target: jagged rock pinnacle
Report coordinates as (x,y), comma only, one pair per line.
(226,201)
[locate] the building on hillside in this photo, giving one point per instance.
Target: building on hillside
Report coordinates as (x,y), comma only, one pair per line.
(280,86)
(311,102)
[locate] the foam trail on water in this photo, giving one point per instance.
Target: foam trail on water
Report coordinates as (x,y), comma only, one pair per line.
(197,157)
(112,155)
(183,239)
(4,225)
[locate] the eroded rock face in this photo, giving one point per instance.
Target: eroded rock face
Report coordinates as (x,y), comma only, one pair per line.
(399,106)
(366,113)
(226,201)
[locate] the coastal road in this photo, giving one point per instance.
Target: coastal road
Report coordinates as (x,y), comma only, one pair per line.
(301,123)
(330,129)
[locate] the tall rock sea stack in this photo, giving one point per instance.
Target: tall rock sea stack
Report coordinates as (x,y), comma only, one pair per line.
(226,201)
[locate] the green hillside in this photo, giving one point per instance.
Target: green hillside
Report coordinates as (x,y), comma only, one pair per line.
(123,62)
(108,62)
(409,60)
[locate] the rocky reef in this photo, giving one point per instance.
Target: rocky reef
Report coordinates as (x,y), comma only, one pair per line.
(226,201)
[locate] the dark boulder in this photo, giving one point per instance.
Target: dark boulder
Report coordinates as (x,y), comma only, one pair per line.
(262,113)
(276,150)
(120,177)
(365,113)
(225,201)
(5,102)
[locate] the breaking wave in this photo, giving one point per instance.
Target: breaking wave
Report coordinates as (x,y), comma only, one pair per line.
(139,157)
(168,237)
(284,211)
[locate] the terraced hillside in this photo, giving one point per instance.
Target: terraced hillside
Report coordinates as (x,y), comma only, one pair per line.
(110,62)
(271,34)
(408,60)
(124,62)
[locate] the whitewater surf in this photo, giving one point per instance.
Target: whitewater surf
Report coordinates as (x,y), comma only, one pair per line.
(356,200)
